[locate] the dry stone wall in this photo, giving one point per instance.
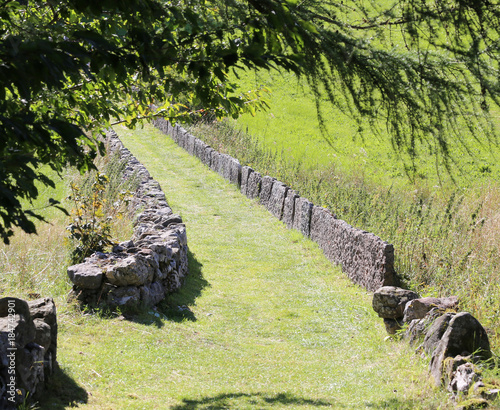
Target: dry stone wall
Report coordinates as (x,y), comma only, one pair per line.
(28,349)
(154,262)
(366,259)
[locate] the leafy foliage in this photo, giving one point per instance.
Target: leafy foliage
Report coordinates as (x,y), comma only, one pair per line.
(69,69)
(93,215)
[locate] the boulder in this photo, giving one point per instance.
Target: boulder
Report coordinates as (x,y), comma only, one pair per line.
(418,328)
(389,301)
(418,308)
(86,275)
(436,331)
(132,270)
(463,336)
(16,319)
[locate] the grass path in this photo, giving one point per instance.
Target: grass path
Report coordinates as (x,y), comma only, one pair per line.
(264,320)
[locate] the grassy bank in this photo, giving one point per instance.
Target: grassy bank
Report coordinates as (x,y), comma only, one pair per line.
(264,321)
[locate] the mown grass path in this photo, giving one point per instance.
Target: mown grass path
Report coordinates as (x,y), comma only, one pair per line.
(264,320)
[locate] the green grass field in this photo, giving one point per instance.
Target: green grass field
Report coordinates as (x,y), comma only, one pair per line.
(291,128)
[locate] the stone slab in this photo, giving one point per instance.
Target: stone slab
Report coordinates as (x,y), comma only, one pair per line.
(302,216)
(265,189)
(246,171)
(277,199)
(254,185)
(289,208)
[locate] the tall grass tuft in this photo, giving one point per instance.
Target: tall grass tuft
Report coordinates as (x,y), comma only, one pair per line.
(446,241)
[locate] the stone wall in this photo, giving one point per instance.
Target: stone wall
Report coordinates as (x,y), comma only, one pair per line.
(152,263)
(456,343)
(365,258)
(28,349)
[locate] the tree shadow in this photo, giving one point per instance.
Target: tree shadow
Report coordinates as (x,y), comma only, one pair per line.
(62,392)
(176,306)
(257,400)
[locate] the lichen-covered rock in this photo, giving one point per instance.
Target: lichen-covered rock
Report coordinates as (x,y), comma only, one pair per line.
(418,308)
(389,301)
(131,270)
(436,331)
(86,275)
(463,336)
(463,378)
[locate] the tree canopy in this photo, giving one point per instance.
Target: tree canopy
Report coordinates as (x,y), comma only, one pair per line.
(69,69)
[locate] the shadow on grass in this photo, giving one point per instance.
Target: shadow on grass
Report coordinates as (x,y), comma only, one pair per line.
(399,404)
(62,392)
(176,306)
(256,400)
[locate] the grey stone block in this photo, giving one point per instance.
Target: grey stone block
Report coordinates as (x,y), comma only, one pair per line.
(234,171)
(277,199)
(152,294)
(208,156)
(225,166)
(246,171)
(266,189)
(190,143)
(181,136)
(254,185)
(215,161)
(86,276)
(289,208)
(302,216)
(199,149)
